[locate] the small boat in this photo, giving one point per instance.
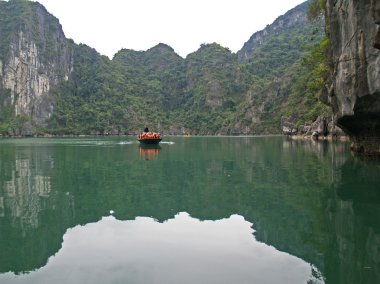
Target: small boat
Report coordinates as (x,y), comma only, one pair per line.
(149,138)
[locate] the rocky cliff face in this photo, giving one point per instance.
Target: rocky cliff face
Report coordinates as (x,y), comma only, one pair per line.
(275,60)
(355,66)
(36,58)
(293,18)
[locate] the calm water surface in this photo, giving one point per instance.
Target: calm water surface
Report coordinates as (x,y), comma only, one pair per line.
(194,210)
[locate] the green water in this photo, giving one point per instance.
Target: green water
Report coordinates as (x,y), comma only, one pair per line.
(194,210)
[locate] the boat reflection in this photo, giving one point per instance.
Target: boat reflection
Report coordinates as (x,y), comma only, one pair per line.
(149,152)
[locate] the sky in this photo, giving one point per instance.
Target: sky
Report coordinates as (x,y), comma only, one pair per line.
(110,25)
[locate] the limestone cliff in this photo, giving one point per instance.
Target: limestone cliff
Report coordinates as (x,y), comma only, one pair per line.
(353,28)
(292,20)
(36,57)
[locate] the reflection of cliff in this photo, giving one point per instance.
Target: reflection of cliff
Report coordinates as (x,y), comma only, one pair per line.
(343,236)
(302,197)
(282,187)
(23,195)
(355,225)
(288,210)
(31,227)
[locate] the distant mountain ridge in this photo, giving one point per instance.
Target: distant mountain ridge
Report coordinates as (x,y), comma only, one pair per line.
(49,84)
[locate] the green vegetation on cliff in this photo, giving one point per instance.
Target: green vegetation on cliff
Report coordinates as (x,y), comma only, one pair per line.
(304,103)
(212,91)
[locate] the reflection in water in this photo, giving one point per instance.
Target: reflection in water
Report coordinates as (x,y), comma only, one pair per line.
(31,226)
(23,195)
(148,152)
(180,250)
(312,200)
(354,218)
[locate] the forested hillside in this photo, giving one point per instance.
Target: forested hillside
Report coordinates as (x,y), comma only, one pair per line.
(276,75)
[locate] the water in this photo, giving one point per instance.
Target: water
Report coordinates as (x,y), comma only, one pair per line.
(193,210)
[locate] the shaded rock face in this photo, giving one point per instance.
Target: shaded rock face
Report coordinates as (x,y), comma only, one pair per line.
(320,127)
(355,65)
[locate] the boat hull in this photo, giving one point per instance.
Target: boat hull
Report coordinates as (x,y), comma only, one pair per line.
(150,141)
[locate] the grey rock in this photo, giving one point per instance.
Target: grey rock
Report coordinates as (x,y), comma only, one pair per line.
(30,70)
(28,129)
(355,67)
(319,126)
(289,128)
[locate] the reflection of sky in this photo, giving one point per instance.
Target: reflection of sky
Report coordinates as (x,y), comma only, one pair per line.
(180,250)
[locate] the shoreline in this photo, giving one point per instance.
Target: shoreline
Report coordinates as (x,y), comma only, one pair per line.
(341,138)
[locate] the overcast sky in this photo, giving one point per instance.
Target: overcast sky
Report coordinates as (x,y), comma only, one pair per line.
(109,25)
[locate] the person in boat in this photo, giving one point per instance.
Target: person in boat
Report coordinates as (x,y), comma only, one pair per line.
(146,130)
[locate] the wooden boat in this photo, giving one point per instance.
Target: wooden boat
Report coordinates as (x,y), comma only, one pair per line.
(149,138)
